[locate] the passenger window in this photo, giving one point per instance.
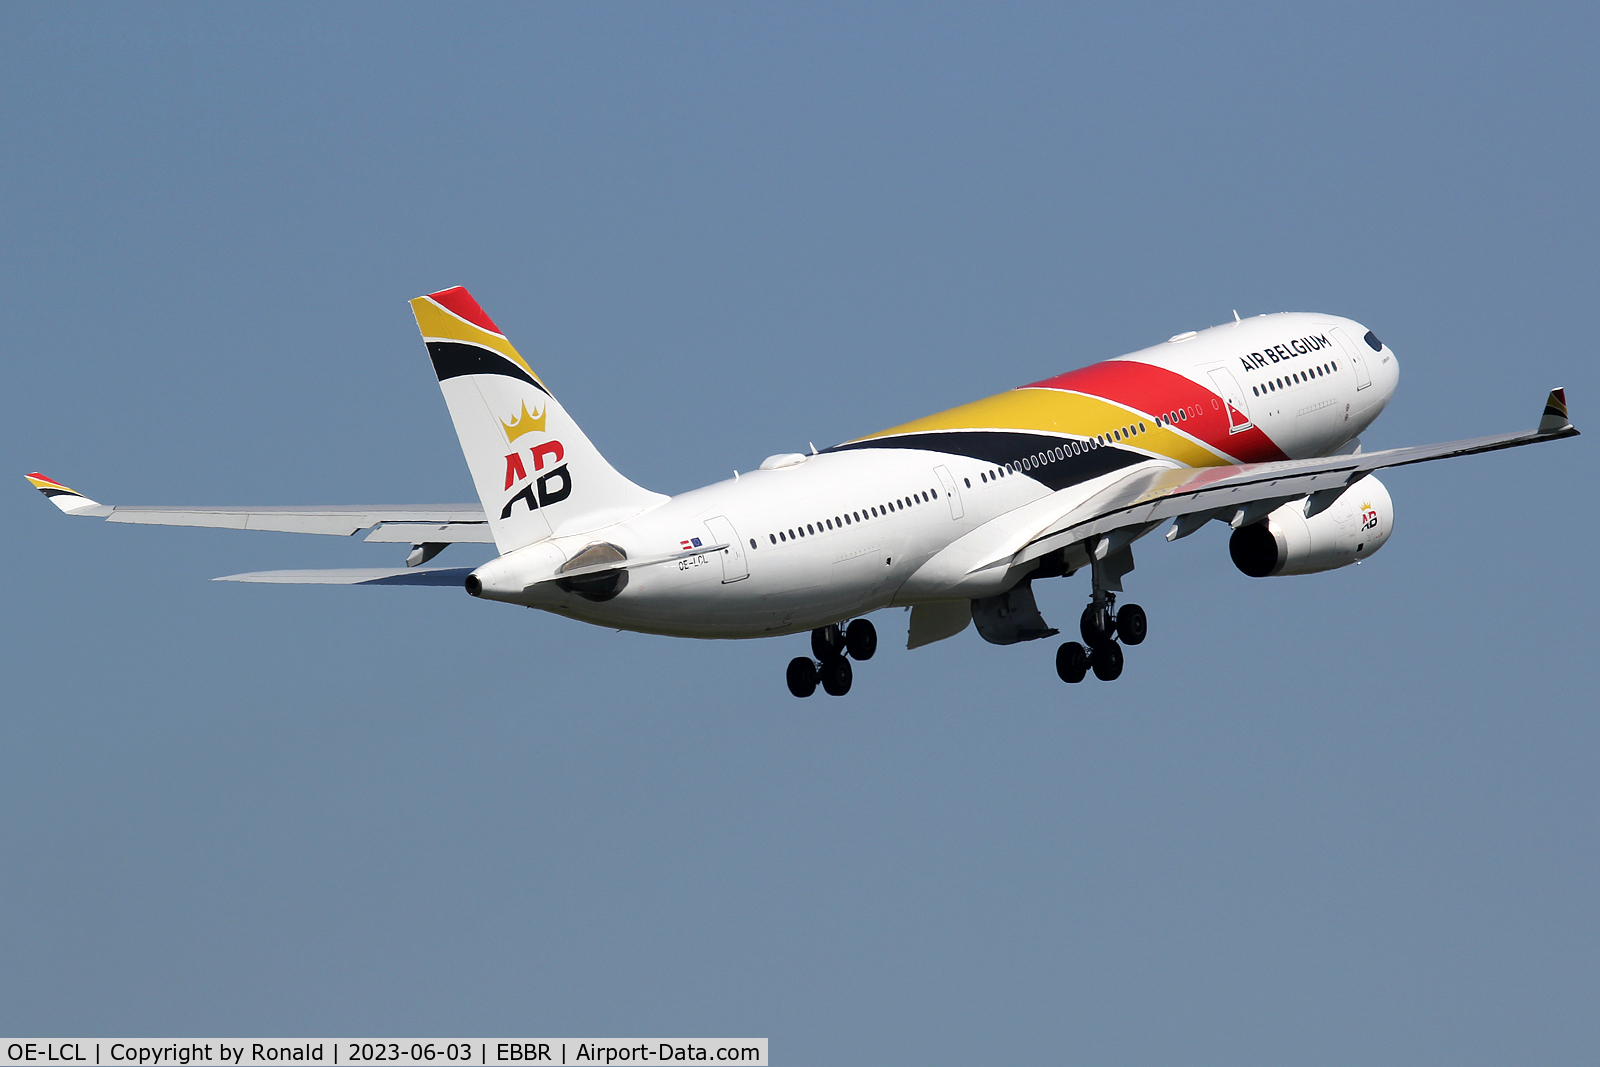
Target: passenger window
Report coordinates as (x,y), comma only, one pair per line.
(773,538)
(968,481)
(752,542)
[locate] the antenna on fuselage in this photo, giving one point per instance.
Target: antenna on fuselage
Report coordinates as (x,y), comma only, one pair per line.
(813,447)
(1235,314)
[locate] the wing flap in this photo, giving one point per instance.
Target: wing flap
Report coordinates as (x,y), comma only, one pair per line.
(416,533)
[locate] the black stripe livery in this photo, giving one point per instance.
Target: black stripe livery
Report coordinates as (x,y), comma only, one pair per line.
(452,359)
(1017,448)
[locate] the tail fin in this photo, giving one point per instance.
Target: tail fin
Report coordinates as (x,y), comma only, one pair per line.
(536,472)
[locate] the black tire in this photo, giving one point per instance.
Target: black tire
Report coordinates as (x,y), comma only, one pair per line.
(861,640)
(836,676)
(802,677)
(827,642)
(1095,625)
(1132,626)
(1072,662)
(1106,660)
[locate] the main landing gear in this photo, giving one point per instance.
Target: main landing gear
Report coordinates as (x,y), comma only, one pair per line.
(1101,630)
(831,644)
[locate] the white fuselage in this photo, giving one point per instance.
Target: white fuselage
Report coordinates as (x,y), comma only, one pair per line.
(838,534)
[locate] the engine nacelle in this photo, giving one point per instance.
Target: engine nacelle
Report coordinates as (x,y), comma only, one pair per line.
(1286,542)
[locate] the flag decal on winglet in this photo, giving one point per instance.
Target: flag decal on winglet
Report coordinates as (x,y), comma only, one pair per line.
(68,500)
(1555,417)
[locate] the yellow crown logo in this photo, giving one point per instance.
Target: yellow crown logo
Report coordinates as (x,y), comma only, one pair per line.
(524,423)
(1366,506)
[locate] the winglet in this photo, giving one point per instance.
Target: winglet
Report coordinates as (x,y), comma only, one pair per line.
(67,500)
(1555,413)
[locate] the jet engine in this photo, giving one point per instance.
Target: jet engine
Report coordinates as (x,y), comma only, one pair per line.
(1349,530)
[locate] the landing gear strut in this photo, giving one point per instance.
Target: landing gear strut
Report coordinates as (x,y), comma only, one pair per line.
(831,644)
(1102,628)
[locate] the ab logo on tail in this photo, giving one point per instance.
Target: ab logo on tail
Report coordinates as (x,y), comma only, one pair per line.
(547,489)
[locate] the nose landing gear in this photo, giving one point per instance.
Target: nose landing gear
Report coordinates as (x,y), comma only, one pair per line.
(831,644)
(1101,630)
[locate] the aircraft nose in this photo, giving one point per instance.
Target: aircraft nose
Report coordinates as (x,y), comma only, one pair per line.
(1381,358)
(1388,365)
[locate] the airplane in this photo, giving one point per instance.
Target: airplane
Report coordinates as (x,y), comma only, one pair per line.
(1255,423)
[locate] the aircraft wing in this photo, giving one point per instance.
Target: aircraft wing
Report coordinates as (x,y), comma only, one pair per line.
(411,523)
(1243,493)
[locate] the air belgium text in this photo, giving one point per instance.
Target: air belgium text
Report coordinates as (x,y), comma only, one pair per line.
(1300,346)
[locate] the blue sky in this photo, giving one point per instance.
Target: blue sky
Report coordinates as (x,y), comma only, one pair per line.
(1346,817)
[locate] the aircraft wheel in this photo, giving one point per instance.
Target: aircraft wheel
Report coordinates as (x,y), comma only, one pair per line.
(1106,660)
(861,640)
(1095,625)
(1132,626)
(827,642)
(836,676)
(1072,662)
(802,677)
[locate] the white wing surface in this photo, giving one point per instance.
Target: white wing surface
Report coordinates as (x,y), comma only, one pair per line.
(1242,493)
(439,523)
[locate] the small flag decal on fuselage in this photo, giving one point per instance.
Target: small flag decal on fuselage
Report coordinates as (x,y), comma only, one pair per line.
(691,543)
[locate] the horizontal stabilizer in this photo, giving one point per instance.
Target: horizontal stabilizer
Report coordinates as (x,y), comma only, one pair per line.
(357,576)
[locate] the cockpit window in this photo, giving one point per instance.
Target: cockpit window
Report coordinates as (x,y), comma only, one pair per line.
(1373,342)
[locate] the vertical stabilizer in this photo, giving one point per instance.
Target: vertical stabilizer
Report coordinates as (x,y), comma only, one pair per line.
(535,471)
